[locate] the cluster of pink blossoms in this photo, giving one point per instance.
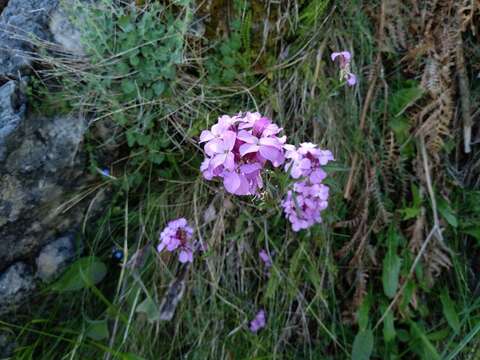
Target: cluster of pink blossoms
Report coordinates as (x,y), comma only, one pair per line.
(309,197)
(178,236)
(237,149)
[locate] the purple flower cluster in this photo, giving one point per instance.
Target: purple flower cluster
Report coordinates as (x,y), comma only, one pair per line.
(258,322)
(237,149)
(343,58)
(178,236)
(309,197)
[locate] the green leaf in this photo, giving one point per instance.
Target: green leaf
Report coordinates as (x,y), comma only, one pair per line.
(225,49)
(128,86)
(150,309)
(169,72)
(159,88)
(449,312)
(97,330)
(446,211)
(131,138)
(363,313)
(143,139)
(156,158)
(134,60)
(147,51)
(439,335)
(390,274)
(363,345)
(228,61)
(229,74)
(122,68)
(130,356)
(428,348)
(404,98)
(125,23)
(403,335)
(473,231)
(389,332)
(85,272)
(410,212)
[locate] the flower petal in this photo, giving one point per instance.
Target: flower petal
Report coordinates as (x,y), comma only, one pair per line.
(231,181)
(206,135)
(213,147)
(185,256)
(351,79)
(229,138)
(305,164)
(250,168)
(248,148)
(346,55)
(270,153)
(245,136)
(271,141)
(161,246)
(173,244)
(218,160)
(335,55)
(229,162)
(317,176)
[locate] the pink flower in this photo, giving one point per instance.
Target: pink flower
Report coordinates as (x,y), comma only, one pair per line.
(344,58)
(269,148)
(177,235)
(351,79)
(258,322)
(242,181)
(223,124)
(238,149)
(308,197)
(265,258)
(220,149)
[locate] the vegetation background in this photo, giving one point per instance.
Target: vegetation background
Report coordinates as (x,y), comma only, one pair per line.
(392,273)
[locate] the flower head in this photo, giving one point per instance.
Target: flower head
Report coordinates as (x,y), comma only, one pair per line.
(177,236)
(265,258)
(308,197)
(343,58)
(258,322)
(238,148)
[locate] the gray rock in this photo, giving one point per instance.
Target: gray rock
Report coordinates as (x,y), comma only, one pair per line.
(37,179)
(65,33)
(20,22)
(7,344)
(43,163)
(12,111)
(55,257)
(16,283)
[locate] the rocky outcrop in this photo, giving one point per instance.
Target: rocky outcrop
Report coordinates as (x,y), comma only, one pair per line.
(15,284)
(55,257)
(38,175)
(20,22)
(42,159)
